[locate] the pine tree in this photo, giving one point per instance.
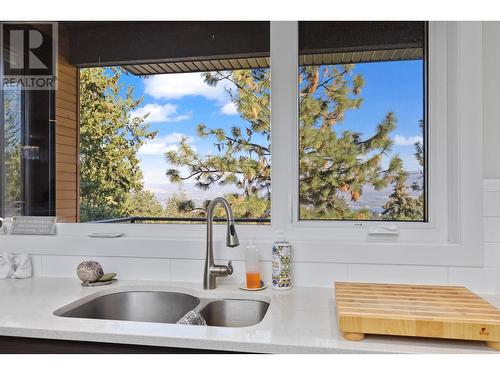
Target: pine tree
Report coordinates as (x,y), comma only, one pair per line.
(335,164)
(243,161)
(109,141)
(401,205)
(419,156)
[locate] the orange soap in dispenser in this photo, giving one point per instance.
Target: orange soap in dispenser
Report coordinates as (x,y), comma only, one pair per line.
(252,266)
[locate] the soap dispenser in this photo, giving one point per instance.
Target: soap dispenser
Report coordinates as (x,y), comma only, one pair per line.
(282,263)
(252,268)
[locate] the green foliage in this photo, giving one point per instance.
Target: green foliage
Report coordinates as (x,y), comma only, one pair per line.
(335,164)
(401,205)
(252,206)
(143,203)
(179,206)
(90,212)
(419,155)
(109,141)
(242,161)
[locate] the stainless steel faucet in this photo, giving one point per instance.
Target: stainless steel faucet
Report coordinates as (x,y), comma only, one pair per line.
(212,271)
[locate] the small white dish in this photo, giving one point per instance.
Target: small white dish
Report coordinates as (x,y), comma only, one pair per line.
(106,234)
(262,286)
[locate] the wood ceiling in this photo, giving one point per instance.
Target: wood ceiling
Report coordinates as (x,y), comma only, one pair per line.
(264,62)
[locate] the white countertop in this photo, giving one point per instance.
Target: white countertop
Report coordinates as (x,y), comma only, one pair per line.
(301,320)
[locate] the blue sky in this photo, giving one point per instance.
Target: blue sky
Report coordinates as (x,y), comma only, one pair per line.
(396,87)
(178,102)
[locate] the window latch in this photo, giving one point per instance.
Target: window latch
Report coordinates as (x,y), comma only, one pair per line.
(383,229)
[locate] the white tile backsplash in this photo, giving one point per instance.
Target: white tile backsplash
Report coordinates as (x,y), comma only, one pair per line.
(61,266)
(186,269)
(491,229)
(318,274)
(491,204)
(36,264)
(126,268)
(398,274)
(476,278)
(138,268)
(492,254)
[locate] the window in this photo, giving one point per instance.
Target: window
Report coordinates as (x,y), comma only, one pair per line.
(148,122)
(164,143)
(173,125)
(362,121)
(26,133)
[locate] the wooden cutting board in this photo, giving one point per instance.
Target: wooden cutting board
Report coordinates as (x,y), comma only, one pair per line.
(448,312)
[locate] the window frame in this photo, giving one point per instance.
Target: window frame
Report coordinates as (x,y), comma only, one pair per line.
(453,235)
(434,229)
(352,223)
(434,136)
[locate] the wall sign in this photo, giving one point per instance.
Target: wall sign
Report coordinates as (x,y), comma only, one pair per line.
(33,225)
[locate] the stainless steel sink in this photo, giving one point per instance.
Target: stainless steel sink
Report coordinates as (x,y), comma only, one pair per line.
(234,312)
(159,307)
(167,307)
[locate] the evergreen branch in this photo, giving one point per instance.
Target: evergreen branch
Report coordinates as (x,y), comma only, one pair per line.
(324,83)
(240,142)
(228,78)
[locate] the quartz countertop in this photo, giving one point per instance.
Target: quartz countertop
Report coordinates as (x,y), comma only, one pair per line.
(301,320)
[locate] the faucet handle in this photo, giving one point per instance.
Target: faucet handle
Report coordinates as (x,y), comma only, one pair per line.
(222,271)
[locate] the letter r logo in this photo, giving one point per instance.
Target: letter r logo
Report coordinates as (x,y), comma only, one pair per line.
(16,58)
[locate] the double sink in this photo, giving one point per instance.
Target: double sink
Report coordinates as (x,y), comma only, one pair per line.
(167,307)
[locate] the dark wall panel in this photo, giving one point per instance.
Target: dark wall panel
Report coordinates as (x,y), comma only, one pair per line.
(350,36)
(119,43)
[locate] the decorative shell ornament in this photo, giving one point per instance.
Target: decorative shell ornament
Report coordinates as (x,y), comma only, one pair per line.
(89,271)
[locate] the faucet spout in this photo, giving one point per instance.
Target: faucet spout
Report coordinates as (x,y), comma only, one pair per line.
(231,237)
(212,270)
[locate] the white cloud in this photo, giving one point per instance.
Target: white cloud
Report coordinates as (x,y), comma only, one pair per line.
(160,113)
(229,109)
(401,140)
(180,85)
(160,145)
